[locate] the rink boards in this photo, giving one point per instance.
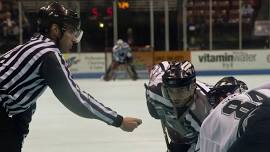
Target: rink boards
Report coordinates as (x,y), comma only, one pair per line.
(226,62)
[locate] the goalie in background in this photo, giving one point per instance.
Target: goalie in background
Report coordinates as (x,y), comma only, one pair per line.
(121,55)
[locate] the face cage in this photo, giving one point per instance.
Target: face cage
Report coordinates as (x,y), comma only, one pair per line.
(183,95)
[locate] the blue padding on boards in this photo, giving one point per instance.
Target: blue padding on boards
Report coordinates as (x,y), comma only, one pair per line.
(233,72)
(144,74)
(86,75)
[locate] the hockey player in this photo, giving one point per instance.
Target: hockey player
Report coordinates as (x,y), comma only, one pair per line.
(240,122)
(27,70)
(175,97)
(121,56)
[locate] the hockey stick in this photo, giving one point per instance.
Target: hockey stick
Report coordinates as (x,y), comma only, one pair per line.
(165,135)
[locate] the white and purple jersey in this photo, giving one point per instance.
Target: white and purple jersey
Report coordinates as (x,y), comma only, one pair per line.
(229,120)
(182,127)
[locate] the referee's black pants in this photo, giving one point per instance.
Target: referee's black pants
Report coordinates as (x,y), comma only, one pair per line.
(14,129)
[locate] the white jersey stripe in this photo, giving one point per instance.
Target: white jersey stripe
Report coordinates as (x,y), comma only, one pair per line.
(25,68)
(15,64)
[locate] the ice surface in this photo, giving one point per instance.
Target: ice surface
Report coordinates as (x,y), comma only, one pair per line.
(55,129)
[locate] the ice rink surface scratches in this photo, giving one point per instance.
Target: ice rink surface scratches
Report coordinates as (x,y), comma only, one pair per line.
(55,129)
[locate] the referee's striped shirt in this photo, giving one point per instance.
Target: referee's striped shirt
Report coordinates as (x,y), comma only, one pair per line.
(27,70)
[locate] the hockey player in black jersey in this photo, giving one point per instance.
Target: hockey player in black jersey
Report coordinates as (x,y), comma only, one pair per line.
(121,56)
(28,69)
(240,121)
(175,97)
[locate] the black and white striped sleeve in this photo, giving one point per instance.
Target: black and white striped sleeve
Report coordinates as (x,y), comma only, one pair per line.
(59,79)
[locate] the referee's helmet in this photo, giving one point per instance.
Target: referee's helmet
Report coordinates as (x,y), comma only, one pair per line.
(56,13)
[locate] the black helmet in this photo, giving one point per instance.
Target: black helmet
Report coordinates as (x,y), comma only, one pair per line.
(179,83)
(55,13)
(179,74)
(225,87)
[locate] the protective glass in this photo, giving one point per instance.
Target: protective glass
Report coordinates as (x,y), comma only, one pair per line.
(180,96)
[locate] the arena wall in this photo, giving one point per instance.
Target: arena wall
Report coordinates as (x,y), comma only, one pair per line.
(225,62)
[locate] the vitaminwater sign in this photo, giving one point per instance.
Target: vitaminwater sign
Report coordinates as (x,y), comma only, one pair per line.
(231,60)
(85,62)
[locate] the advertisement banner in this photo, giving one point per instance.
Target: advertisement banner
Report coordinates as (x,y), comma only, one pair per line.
(160,56)
(143,60)
(85,62)
(231,60)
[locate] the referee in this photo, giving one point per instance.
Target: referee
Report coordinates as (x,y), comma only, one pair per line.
(27,70)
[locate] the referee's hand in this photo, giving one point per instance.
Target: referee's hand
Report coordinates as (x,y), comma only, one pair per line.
(129,123)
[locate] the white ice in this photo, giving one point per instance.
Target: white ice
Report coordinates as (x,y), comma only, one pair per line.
(55,129)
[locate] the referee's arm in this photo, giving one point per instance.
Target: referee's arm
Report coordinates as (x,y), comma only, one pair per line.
(69,94)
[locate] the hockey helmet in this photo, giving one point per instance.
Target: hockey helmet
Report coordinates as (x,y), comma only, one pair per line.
(179,83)
(225,87)
(66,19)
(119,42)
